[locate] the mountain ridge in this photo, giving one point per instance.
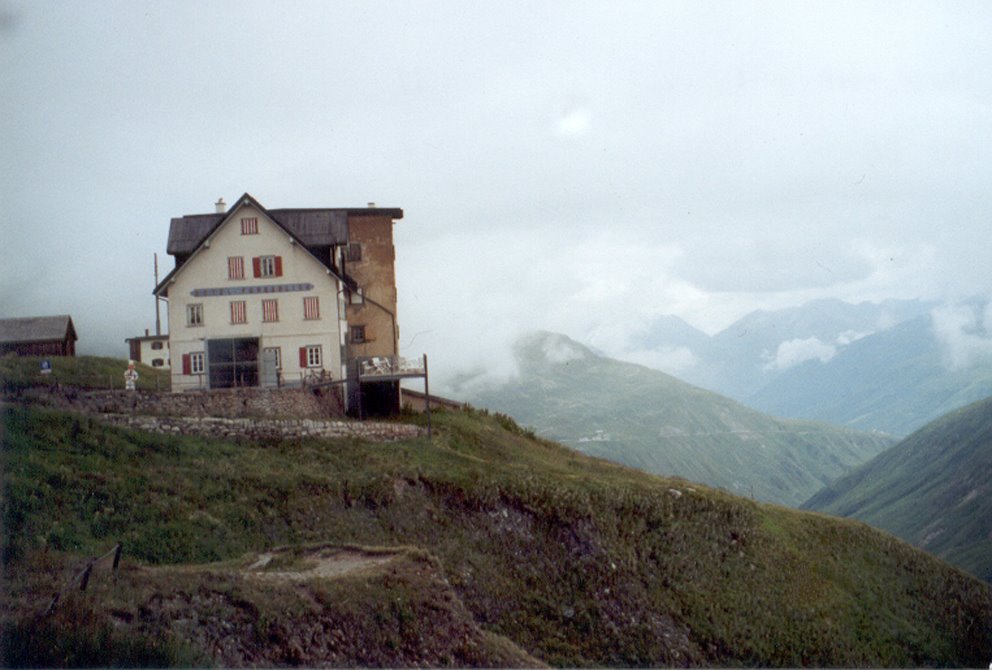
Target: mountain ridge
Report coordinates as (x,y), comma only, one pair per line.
(933,489)
(648,419)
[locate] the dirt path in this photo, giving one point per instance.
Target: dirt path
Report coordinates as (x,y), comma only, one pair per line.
(323,562)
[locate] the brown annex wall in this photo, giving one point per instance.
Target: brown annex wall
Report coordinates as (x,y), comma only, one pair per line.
(375,273)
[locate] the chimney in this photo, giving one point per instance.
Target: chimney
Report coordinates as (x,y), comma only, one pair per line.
(371,205)
(146,332)
(220,206)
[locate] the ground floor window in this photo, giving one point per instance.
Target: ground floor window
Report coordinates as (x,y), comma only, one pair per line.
(311,356)
(193,363)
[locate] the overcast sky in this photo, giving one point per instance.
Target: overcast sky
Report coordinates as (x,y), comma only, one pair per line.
(577,167)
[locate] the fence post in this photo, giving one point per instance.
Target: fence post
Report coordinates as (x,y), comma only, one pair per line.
(427,398)
(51,605)
(86,577)
(117,559)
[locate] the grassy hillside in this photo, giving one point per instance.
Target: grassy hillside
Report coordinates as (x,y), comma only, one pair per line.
(501,546)
(649,420)
(934,489)
(18,373)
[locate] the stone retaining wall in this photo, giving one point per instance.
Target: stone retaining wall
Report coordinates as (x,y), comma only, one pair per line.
(253,429)
(293,403)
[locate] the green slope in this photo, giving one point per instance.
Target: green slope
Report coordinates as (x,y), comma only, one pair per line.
(934,489)
(576,561)
(19,373)
(649,420)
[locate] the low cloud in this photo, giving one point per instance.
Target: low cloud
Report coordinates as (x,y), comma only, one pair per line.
(794,352)
(849,336)
(574,122)
(964,332)
(559,350)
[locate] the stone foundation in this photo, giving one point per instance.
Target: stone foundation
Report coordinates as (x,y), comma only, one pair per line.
(295,403)
(225,414)
(256,429)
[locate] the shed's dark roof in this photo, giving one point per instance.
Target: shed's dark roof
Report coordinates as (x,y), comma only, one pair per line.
(313,227)
(37,329)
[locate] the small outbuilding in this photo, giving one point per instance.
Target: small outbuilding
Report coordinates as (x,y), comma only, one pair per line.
(38,336)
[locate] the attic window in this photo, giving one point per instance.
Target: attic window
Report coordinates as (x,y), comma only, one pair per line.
(249,225)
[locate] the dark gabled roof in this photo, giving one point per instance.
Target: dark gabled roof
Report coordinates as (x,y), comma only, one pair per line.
(312,227)
(323,227)
(186,232)
(37,329)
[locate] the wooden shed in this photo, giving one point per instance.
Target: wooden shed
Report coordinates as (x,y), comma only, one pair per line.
(38,336)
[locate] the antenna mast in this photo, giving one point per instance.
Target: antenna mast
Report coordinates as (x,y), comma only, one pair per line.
(158,320)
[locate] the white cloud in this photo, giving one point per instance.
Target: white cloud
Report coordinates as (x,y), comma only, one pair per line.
(560,350)
(964,332)
(794,352)
(849,336)
(574,122)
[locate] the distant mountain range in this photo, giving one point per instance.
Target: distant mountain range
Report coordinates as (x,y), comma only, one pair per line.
(648,419)
(933,489)
(890,366)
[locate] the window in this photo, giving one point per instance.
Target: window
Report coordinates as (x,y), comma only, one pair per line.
(267,266)
(238,312)
(354,251)
(357,297)
(311,308)
(310,356)
(157,362)
(275,354)
(235,267)
(194,314)
(358,334)
(195,363)
(270,310)
(249,225)
(157,345)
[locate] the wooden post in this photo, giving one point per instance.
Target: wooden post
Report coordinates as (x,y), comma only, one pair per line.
(117,559)
(51,605)
(86,577)
(427,399)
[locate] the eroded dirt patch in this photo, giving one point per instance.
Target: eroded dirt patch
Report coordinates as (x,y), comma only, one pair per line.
(324,562)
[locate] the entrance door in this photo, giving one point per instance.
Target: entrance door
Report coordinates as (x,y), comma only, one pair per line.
(233,362)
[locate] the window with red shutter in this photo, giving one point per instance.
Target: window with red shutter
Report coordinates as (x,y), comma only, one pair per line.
(278,266)
(187,366)
(303,357)
(256,266)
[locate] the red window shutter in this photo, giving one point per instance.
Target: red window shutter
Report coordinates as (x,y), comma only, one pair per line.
(256,266)
(278,266)
(303,357)
(187,365)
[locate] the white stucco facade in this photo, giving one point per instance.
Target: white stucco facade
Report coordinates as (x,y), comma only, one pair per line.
(248,286)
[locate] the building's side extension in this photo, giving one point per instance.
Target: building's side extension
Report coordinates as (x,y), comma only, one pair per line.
(373,329)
